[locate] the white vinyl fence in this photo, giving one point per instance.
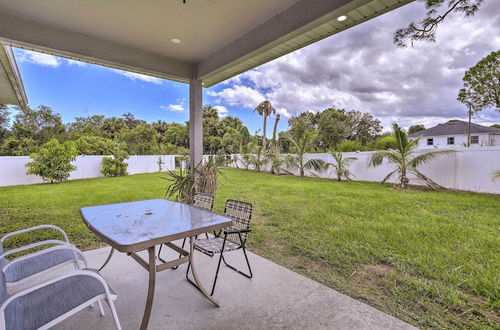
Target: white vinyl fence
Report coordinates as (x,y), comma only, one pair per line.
(13,169)
(467,169)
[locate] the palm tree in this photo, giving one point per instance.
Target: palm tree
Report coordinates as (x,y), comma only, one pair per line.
(340,167)
(300,147)
(265,109)
(401,153)
(276,120)
(276,159)
(257,159)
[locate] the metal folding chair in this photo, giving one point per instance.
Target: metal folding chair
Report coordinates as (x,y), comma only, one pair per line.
(230,239)
(203,201)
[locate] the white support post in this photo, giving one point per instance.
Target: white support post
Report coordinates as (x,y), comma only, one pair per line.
(195,122)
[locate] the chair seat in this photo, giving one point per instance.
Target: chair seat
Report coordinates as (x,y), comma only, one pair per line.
(41,306)
(30,266)
(213,245)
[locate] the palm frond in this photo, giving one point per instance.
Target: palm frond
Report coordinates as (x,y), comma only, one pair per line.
(315,164)
(428,156)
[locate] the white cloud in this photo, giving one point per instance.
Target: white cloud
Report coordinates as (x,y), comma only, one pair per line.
(238,95)
(362,69)
(283,113)
(222,110)
(74,62)
(137,76)
(28,56)
(173,107)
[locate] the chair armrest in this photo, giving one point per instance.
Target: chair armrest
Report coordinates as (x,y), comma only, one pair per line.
(33,245)
(236,231)
(48,250)
(79,272)
(22,231)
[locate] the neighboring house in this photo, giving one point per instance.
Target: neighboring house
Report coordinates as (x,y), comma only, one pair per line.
(454,133)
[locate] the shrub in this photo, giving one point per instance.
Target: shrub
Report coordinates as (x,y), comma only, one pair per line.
(53,161)
(115,166)
(350,146)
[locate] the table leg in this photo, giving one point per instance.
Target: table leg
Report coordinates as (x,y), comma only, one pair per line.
(151,288)
(107,260)
(193,270)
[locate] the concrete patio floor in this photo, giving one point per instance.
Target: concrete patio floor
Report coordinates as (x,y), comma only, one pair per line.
(276,298)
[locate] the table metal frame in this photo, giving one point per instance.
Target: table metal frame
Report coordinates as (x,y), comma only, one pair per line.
(151,264)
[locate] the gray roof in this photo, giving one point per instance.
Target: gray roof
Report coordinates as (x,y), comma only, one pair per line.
(455,127)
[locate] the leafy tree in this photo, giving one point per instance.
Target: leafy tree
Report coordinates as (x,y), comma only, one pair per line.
(91,125)
(13,146)
(481,87)
(426,28)
(496,125)
(96,145)
(305,122)
(53,161)
(4,122)
(265,109)
(115,166)
(482,84)
(176,134)
(140,140)
(365,127)
(40,125)
(416,128)
(341,165)
(402,155)
(334,127)
(300,147)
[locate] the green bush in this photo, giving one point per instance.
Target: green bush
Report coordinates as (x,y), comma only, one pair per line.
(53,161)
(115,166)
(350,146)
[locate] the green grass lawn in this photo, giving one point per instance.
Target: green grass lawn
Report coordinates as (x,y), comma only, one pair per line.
(429,258)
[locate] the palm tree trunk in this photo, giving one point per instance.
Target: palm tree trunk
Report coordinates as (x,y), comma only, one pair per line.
(275,128)
(264,133)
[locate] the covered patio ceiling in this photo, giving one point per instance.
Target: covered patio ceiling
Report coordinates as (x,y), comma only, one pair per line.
(206,40)
(11,84)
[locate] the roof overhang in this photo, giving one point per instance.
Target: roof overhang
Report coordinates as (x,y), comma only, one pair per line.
(11,84)
(220,38)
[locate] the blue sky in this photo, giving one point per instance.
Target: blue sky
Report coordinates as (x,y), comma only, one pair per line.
(76,89)
(358,69)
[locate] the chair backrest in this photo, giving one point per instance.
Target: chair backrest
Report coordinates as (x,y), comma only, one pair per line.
(241,214)
(204,201)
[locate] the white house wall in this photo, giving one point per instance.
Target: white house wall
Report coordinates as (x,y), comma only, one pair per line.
(486,140)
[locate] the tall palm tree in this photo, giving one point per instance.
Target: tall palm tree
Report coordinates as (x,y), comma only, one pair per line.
(341,165)
(276,120)
(401,153)
(300,147)
(265,109)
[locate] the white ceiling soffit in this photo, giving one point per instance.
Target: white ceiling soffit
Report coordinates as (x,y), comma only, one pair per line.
(218,38)
(11,84)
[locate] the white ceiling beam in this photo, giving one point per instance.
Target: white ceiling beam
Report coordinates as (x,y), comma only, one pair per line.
(24,33)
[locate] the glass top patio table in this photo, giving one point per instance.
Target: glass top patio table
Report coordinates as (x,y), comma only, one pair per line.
(135,226)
